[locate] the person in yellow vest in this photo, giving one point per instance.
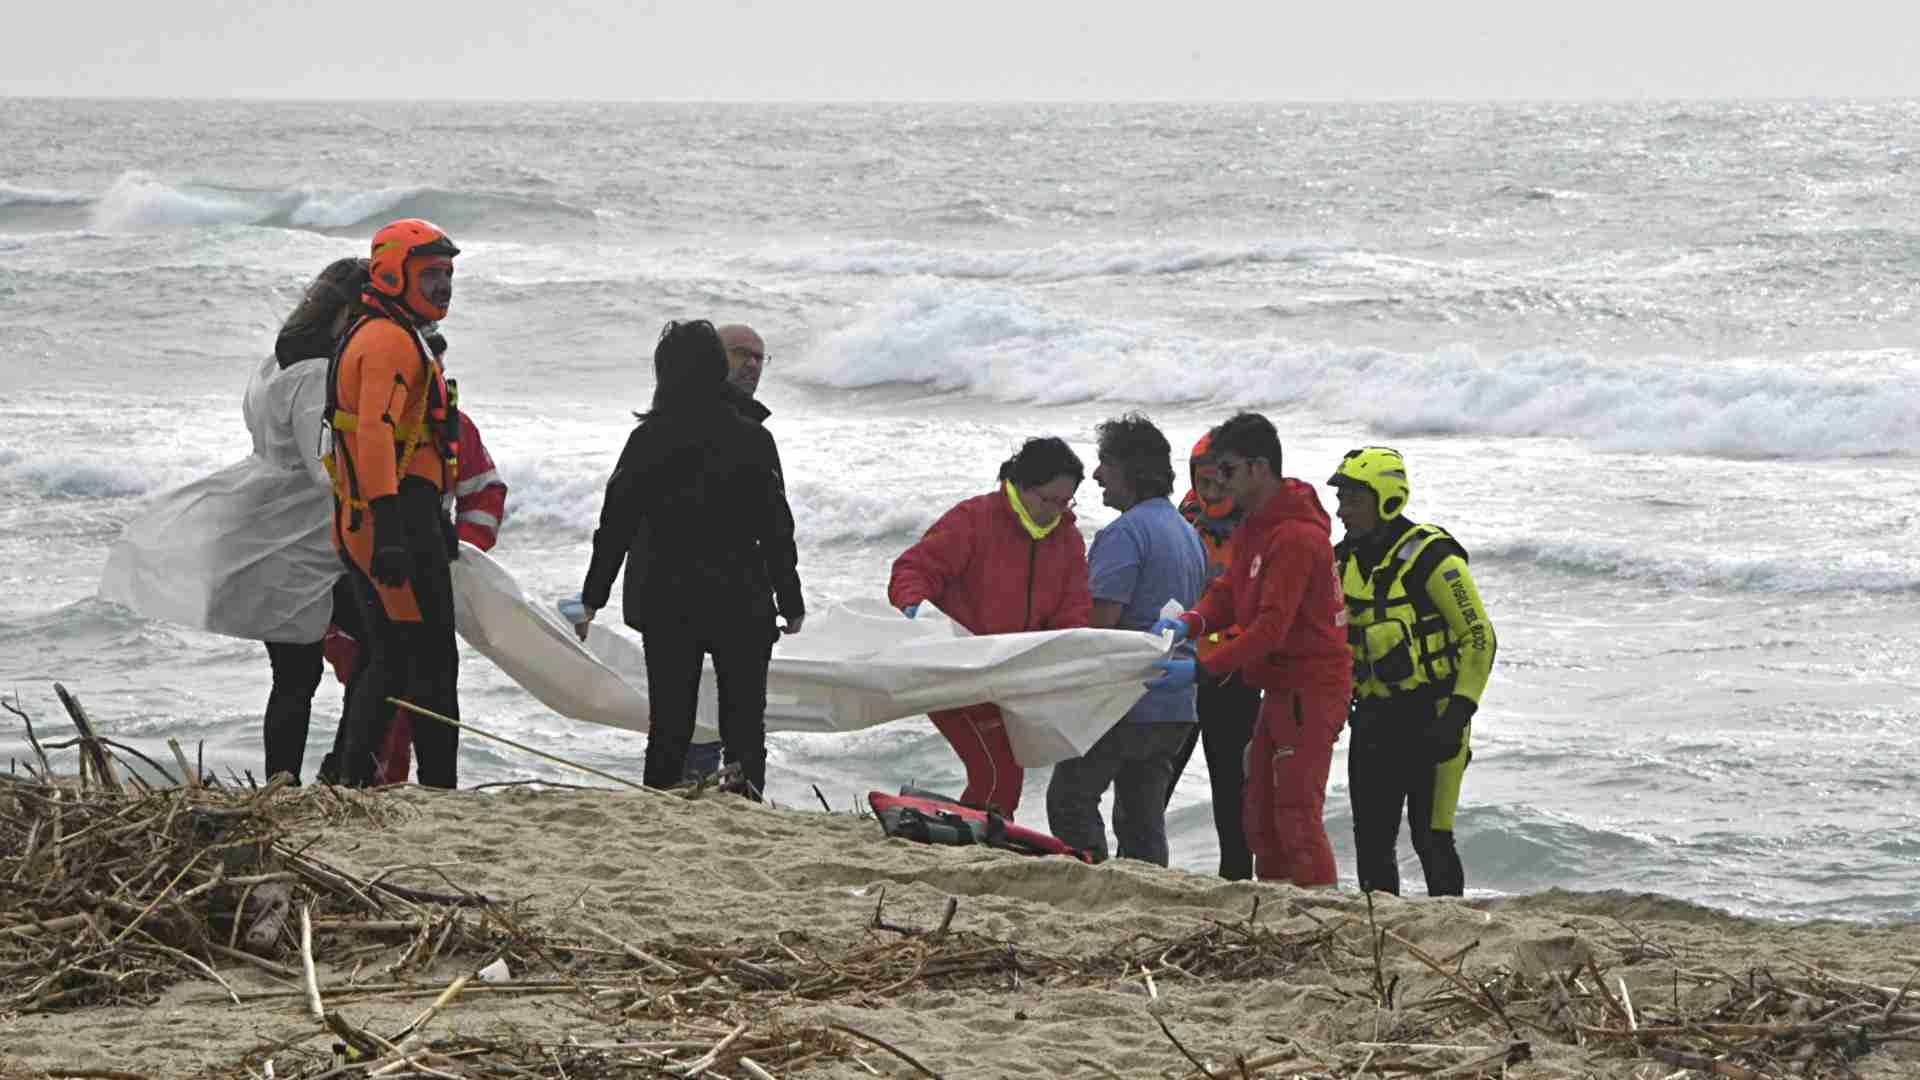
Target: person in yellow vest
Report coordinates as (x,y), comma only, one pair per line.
(395,439)
(1423,649)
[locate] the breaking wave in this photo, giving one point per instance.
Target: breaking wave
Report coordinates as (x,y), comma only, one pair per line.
(1007,344)
(138,201)
(1861,571)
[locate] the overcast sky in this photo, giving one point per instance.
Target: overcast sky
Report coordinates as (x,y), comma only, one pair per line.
(964,50)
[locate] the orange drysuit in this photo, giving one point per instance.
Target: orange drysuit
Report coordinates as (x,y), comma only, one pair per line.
(392,409)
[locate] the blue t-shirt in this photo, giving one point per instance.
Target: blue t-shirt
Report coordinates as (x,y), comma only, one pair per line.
(1148,556)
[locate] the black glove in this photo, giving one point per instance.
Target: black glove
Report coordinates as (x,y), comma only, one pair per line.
(391,562)
(452,536)
(1449,729)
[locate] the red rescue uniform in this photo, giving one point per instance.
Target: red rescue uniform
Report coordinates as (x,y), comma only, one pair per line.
(979,564)
(1280,589)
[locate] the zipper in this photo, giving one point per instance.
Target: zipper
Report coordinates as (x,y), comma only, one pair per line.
(1033,557)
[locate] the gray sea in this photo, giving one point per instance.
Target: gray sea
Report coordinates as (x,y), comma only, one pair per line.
(1653,364)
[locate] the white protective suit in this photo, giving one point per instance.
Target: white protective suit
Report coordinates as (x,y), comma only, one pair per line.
(246,551)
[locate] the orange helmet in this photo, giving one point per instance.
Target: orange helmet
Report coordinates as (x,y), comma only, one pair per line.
(400,249)
(1202,467)
(1201,460)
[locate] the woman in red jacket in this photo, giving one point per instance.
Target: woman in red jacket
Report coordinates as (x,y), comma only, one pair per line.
(1001,563)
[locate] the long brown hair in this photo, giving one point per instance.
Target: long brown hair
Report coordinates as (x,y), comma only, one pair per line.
(309,329)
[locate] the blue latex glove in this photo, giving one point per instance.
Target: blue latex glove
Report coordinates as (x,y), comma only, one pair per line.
(574,610)
(1176,673)
(911,610)
(1178,626)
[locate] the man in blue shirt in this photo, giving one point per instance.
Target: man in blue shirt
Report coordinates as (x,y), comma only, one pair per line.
(1148,556)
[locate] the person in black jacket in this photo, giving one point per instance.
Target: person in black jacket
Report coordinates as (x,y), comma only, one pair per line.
(747,358)
(697,511)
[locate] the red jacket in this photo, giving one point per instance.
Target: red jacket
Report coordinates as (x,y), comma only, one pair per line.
(978,565)
(480,496)
(1282,591)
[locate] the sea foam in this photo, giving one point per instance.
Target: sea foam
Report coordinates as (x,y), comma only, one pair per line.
(1008,344)
(1062,262)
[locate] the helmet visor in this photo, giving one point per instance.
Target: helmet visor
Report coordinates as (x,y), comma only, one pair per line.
(439,245)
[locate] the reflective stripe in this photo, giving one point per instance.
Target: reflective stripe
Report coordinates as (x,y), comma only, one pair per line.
(346,421)
(481,517)
(475,483)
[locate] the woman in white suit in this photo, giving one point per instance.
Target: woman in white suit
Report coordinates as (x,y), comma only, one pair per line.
(246,551)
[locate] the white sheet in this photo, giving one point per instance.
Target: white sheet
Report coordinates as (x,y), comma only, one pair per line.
(852,667)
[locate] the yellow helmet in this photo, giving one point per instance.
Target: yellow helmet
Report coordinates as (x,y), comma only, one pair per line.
(1381,470)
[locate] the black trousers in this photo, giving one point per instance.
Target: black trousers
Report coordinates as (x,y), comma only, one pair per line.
(1228,710)
(296,675)
(741,648)
(414,661)
(298,670)
(1389,768)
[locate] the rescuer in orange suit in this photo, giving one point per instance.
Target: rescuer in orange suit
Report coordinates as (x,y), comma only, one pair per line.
(395,439)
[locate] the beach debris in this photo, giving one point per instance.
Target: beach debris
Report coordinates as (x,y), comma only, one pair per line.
(113,893)
(671,1006)
(520,746)
(1539,957)
(272,905)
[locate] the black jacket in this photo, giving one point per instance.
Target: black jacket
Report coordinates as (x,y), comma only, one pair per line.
(697,510)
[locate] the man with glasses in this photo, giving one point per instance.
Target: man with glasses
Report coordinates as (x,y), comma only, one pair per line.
(746,361)
(1147,556)
(747,358)
(1281,591)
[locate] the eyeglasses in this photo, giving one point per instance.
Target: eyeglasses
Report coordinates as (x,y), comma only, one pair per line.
(762,358)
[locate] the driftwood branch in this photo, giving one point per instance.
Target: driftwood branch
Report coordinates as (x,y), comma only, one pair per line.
(91,751)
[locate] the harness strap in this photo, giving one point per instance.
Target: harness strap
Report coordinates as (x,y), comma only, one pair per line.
(350,423)
(408,432)
(346,490)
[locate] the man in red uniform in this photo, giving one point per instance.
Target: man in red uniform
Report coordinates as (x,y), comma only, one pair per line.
(1281,591)
(1229,708)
